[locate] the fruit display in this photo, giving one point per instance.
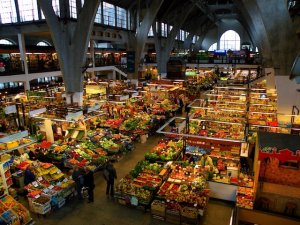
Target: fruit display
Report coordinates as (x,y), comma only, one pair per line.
(165,151)
(142,182)
(138,122)
(164,106)
(215,129)
(185,185)
(125,187)
(245,197)
(10,203)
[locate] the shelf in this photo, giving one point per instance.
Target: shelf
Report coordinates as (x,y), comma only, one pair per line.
(20,146)
(215,121)
(224,157)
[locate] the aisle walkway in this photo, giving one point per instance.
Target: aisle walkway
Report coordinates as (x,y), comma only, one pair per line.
(108,212)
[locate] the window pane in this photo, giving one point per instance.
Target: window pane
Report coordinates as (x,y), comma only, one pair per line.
(121,17)
(73,11)
(42,43)
(8,12)
(28,10)
(6,42)
(230,40)
(98,15)
(151,34)
(55,5)
(108,14)
(213,47)
(164,31)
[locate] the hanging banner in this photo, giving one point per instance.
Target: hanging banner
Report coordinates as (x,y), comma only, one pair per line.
(37,111)
(10,109)
(284,147)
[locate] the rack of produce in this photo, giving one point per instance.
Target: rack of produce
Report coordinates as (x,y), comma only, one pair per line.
(183,196)
(165,151)
(139,187)
(9,203)
(11,142)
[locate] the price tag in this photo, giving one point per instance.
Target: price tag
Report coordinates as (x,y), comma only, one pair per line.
(59,183)
(58,171)
(65,180)
(35,184)
(40,178)
(46,190)
(37,196)
(51,187)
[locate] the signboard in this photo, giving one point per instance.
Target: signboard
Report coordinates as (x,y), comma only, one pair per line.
(37,111)
(10,109)
(131,62)
(190,73)
(135,94)
(284,147)
(14,137)
(74,116)
(95,89)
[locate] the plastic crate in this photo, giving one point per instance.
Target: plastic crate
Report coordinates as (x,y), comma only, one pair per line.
(41,209)
(61,202)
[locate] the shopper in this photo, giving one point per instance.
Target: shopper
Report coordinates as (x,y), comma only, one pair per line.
(28,176)
(89,183)
(110,178)
(77,176)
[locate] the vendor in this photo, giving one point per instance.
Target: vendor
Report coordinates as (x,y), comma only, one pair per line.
(206,161)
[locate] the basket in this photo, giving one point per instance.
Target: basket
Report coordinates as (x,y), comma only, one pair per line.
(189,212)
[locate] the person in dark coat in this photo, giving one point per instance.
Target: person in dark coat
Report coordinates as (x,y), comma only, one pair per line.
(112,175)
(77,176)
(28,176)
(89,183)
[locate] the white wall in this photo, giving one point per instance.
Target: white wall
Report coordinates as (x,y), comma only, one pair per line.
(287,94)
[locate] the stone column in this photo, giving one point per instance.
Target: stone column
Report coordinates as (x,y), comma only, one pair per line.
(22,48)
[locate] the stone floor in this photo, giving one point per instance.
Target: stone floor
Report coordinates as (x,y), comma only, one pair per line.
(105,211)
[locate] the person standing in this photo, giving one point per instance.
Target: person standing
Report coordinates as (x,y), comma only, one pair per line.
(89,183)
(77,176)
(110,178)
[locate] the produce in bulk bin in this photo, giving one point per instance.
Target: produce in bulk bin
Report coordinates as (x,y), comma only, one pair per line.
(165,151)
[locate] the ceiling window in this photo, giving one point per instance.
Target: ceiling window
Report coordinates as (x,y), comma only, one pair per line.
(28,10)
(8,12)
(109,14)
(213,47)
(230,40)
(121,17)
(164,30)
(73,9)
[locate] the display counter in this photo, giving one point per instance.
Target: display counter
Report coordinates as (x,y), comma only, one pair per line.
(222,191)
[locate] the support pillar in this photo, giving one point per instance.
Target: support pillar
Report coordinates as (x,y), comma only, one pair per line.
(22,48)
(76,97)
(142,33)
(26,85)
(92,54)
(270,78)
(71,43)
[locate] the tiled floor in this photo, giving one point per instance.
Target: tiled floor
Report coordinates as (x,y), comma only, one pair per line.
(108,212)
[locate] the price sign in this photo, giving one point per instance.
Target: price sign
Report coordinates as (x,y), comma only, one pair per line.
(65,180)
(58,171)
(35,184)
(51,187)
(40,178)
(37,196)
(59,183)
(46,190)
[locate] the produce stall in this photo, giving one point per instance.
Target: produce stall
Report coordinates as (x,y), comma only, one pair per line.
(183,196)
(139,187)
